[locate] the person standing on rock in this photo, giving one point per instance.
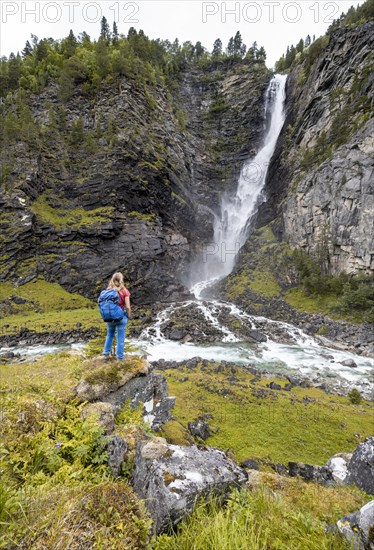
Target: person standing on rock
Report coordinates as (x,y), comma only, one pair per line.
(119,327)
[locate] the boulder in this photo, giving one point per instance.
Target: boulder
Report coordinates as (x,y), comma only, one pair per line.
(358,528)
(274,386)
(349,363)
(170,478)
(152,391)
(361,466)
(257,336)
(200,429)
(338,464)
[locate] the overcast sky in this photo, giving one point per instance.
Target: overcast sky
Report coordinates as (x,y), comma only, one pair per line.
(273,24)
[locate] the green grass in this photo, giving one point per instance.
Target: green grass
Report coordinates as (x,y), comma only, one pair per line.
(54,321)
(325,304)
(267,518)
(75,218)
(278,427)
(264,283)
(44,296)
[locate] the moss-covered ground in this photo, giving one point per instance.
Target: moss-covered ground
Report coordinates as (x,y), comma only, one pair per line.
(269,269)
(253,421)
(67,217)
(41,306)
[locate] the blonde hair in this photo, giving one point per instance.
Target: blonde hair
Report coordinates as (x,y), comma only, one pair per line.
(117,281)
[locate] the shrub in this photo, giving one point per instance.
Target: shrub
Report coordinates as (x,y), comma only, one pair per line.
(355,397)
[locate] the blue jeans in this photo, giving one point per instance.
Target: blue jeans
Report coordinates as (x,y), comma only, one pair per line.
(112,328)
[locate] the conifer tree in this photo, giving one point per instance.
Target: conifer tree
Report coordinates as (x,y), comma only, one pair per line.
(217,48)
(105,30)
(115,33)
(27,50)
(230,47)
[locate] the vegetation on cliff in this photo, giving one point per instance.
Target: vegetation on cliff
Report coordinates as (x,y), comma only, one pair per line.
(308,50)
(272,269)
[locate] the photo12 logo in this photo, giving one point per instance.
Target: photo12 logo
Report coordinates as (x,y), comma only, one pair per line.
(254,12)
(52,12)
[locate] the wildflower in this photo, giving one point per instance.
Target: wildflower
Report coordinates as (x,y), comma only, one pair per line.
(58,445)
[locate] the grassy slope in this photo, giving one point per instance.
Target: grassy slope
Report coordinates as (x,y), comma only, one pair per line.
(267,269)
(52,463)
(304,424)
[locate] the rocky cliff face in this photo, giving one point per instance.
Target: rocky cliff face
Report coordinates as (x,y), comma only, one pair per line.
(126,180)
(320,184)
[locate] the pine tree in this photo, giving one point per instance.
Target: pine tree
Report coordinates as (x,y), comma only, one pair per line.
(261,55)
(239,47)
(105,30)
(115,33)
(69,45)
(307,41)
(230,47)
(252,53)
(27,50)
(199,50)
(14,71)
(217,48)
(300,45)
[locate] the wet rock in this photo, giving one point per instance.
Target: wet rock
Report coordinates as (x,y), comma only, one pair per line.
(176,334)
(361,466)
(200,429)
(169,478)
(257,336)
(349,363)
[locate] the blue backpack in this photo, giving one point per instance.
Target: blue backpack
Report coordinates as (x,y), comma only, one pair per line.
(109,309)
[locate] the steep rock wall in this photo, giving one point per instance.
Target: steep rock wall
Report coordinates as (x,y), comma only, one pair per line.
(320,183)
(126,180)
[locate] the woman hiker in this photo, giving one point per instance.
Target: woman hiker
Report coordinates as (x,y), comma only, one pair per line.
(117,283)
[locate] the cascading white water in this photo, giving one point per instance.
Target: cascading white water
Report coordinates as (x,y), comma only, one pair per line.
(231,228)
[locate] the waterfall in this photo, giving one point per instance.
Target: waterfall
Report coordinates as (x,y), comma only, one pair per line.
(232,226)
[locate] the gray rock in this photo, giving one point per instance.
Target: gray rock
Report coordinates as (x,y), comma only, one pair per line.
(250,464)
(358,528)
(309,472)
(361,466)
(116,448)
(257,336)
(274,386)
(349,363)
(170,478)
(152,391)
(338,464)
(200,429)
